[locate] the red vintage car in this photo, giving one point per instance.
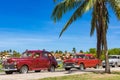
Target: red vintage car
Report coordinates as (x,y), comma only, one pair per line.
(81,61)
(36,60)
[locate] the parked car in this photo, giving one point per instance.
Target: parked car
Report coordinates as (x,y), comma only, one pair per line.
(81,61)
(36,60)
(114,61)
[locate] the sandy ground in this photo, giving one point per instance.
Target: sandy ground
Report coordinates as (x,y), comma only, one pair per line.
(43,74)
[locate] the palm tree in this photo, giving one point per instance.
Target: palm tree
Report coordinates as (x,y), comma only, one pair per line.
(74,50)
(99,22)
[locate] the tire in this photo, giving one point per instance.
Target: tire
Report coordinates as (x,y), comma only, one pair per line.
(37,70)
(67,69)
(51,69)
(8,72)
(103,66)
(82,67)
(24,69)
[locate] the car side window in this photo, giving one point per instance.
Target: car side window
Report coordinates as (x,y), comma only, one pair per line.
(36,55)
(50,55)
(91,57)
(45,55)
(86,57)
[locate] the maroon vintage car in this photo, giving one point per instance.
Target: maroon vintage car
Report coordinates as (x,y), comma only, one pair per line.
(81,61)
(36,60)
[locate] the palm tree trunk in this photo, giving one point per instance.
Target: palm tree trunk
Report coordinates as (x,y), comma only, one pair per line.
(98,43)
(107,68)
(103,33)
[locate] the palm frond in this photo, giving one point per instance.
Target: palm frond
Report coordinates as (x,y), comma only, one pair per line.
(64,6)
(93,21)
(115,4)
(84,7)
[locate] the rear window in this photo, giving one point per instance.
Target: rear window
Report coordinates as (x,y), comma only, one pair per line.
(78,56)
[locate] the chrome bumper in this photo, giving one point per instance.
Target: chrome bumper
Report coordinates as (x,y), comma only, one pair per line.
(70,65)
(9,69)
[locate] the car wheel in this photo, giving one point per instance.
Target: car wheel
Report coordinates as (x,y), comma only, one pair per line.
(67,69)
(51,69)
(8,72)
(24,69)
(82,68)
(37,70)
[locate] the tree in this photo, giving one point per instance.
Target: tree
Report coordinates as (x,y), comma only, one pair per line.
(60,52)
(114,51)
(66,52)
(81,51)
(56,51)
(99,22)
(74,50)
(15,54)
(92,50)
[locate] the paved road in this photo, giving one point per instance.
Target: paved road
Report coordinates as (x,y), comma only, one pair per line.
(44,74)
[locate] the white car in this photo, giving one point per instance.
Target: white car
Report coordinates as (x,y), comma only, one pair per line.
(114,61)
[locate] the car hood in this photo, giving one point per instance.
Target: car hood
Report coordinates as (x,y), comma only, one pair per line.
(110,60)
(71,60)
(17,59)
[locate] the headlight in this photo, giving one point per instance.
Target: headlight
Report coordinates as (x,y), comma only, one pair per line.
(15,63)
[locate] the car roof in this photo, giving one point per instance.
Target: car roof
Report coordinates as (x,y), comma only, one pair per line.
(36,51)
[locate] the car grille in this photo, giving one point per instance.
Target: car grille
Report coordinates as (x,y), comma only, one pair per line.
(11,66)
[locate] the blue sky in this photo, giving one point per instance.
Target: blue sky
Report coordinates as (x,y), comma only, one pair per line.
(27,24)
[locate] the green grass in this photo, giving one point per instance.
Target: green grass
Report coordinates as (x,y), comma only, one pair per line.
(0,68)
(60,66)
(88,76)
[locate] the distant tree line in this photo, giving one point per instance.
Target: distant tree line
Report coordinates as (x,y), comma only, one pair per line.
(10,52)
(113,51)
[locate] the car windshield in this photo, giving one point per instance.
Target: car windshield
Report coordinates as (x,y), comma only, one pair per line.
(79,56)
(113,57)
(26,54)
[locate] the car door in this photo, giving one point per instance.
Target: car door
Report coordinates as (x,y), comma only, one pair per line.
(86,61)
(93,61)
(37,60)
(45,60)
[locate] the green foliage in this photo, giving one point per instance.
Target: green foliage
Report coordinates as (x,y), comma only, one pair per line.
(92,50)
(74,50)
(58,52)
(81,51)
(60,65)
(0,67)
(16,54)
(114,51)
(10,52)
